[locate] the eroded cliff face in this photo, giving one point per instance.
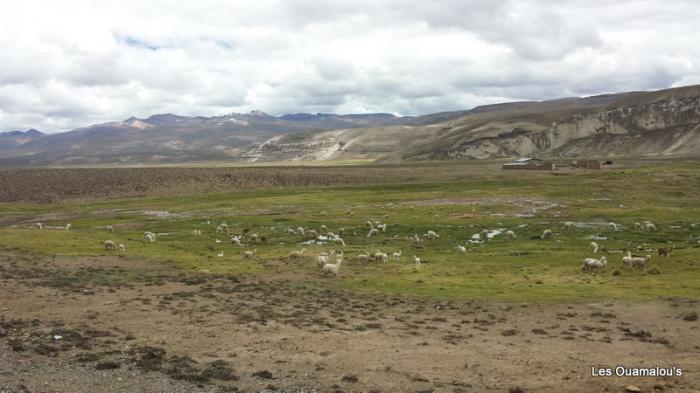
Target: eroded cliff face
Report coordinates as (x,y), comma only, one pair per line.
(668,126)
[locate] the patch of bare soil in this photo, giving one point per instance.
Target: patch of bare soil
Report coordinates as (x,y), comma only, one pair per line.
(120,325)
(528,207)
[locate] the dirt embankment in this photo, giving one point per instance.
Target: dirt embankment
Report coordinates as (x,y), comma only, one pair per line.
(125,326)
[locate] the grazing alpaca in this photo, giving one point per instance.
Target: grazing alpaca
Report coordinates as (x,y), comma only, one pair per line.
(665,252)
(109,245)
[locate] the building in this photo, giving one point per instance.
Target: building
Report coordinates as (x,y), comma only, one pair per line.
(586,164)
(527,163)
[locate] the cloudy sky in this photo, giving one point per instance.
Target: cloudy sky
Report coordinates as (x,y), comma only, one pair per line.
(65,63)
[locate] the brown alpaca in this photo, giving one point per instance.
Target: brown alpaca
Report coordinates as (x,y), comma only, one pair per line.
(665,251)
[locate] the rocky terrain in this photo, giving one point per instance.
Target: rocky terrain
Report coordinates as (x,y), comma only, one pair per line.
(661,123)
(119,325)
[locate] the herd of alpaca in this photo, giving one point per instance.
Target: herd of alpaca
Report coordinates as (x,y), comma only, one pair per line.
(323,259)
(629,261)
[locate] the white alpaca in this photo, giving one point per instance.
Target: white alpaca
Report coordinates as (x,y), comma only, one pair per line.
(300,231)
(122,249)
(593,264)
(330,268)
(236,240)
(380,256)
(322,260)
(568,225)
(40,226)
(382,227)
(461,249)
(432,235)
(650,227)
(249,255)
(546,234)
(397,256)
(594,247)
(149,236)
(416,260)
(197,232)
(224,228)
(372,232)
(613,226)
(220,254)
(511,235)
(109,245)
(631,262)
(68,226)
(363,258)
(296,254)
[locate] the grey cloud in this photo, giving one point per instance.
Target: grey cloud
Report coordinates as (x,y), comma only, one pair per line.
(60,70)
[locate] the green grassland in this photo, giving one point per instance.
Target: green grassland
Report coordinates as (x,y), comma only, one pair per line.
(525,269)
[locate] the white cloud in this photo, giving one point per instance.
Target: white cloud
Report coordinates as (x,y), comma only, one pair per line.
(69,63)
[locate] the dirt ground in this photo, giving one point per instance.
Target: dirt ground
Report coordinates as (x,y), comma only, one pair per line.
(43,185)
(109,324)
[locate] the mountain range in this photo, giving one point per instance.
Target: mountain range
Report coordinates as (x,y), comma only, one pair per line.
(664,122)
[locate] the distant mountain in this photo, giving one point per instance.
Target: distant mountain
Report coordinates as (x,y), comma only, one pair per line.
(13,139)
(167,138)
(663,122)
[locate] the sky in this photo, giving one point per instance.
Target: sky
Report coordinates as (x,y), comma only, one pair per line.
(70,63)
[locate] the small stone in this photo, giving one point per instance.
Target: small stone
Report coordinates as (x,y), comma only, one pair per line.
(107,365)
(632,388)
(264,374)
(691,316)
(349,378)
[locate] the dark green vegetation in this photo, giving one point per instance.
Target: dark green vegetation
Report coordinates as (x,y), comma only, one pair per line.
(478,197)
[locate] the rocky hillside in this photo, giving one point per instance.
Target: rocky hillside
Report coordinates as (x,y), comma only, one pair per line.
(664,122)
(630,124)
(659,123)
